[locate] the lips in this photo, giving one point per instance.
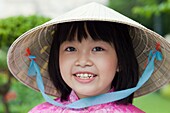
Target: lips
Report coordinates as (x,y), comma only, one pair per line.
(84,77)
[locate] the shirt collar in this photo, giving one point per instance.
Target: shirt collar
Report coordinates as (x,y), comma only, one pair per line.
(73,96)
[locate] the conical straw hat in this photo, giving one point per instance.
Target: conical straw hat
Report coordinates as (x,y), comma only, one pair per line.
(39,40)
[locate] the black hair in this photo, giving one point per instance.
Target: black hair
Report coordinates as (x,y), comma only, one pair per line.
(110,32)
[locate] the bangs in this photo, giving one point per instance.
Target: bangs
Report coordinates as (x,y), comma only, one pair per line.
(79,30)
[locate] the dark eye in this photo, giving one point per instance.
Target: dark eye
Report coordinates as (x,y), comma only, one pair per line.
(70,49)
(98,49)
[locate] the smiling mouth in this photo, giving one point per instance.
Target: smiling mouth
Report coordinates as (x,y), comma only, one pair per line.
(85,76)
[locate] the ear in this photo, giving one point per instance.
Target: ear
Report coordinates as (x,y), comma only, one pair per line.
(117,70)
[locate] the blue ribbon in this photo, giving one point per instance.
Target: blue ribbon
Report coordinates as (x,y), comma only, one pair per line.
(100,99)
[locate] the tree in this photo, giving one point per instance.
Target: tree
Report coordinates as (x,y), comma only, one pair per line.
(126,6)
(158,10)
(10,29)
(154,14)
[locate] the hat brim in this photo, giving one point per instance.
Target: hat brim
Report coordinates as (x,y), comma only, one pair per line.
(39,40)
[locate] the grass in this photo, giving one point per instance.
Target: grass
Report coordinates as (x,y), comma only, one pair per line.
(153,103)
(27,99)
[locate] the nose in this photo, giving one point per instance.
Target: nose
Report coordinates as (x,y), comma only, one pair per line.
(83,60)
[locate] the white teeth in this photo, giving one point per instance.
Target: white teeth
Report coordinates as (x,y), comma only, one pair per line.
(85,76)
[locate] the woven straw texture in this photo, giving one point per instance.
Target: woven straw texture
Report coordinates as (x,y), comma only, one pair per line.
(39,40)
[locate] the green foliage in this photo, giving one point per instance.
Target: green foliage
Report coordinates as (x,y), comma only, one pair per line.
(144,2)
(3,78)
(125,7)
(165,91)
(151,11)
(152,7)
(145,12)
(3,63)
(153,103)
(12,27)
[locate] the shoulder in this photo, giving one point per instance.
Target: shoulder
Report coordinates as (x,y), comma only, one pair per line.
(45,108)
(41,108)
(115,108)
(127,109)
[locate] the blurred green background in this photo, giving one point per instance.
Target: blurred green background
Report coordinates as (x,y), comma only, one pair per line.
(17,98)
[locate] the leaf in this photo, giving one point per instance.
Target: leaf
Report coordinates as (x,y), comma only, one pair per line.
(12,27)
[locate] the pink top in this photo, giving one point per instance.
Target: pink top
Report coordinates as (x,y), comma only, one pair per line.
(102,108)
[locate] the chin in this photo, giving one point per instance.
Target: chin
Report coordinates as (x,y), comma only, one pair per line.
(85,94)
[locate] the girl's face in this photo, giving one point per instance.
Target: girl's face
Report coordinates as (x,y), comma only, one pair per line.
(88,67)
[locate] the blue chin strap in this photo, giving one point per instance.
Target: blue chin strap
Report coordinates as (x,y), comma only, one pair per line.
(34,70)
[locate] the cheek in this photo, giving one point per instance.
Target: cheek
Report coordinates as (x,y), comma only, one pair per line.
(107,68)
(108,64)
(64,69)
(65,64)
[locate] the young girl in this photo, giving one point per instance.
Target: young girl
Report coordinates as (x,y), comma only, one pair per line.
(92,59)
